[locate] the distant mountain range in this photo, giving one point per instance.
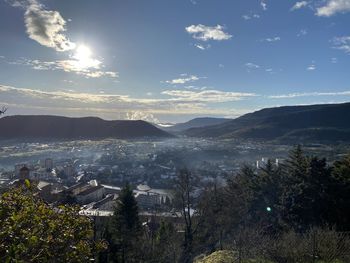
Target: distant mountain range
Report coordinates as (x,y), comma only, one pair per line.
(290,124)
(314,123)
(56,127)
(195,123)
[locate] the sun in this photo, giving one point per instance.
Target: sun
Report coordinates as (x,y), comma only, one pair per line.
(83,58)
(83,53)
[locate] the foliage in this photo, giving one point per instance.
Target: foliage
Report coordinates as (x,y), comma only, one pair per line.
(32,231)
(222,256)
(166,244)
(314,246)
(124,230)
(301,193)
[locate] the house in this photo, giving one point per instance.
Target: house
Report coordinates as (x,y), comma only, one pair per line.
(107,204)
(91,194)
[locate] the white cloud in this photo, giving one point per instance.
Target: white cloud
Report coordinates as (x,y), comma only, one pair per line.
(202,47)
(195,88)
(18,3)
(46,27)
(309,94)
(333,7)
(272,39)
(249,17)
(250,66)
(263,5)
(299,5)
(140,115)
(114,106)
(342,43)
(185,79)
(302,32)
(253,67)
(214,96)
(205,33)
(90,69)
(334,60)
(311,67)
(98,74)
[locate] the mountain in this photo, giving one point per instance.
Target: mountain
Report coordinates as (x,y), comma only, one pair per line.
(313,123)
(56,127)
(195,123)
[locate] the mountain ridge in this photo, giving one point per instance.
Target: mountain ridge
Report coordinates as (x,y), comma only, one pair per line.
(60,127)
(195,123)
(280,122)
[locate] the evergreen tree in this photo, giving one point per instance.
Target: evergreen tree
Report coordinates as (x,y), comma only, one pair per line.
(125,228)
(340,193)
(295,172)
(166,243)
(214,226)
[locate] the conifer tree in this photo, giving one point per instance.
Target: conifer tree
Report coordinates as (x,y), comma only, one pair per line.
(125,228)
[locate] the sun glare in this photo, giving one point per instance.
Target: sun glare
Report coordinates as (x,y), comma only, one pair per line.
(83,57)
(83,53)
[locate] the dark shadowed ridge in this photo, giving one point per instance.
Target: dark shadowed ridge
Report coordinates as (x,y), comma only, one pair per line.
(329,122)
(57,127)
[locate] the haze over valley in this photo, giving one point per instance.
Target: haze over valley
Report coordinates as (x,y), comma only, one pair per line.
(184,131)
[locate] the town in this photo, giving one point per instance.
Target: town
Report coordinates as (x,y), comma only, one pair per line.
(92,173)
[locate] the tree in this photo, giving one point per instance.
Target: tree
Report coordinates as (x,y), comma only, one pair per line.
(240,192)
(166,243)
(295,172)
(32,231)
(215,222)
(184,191)
(254,197)
(340,193)
(3,110)
(125,228)
(306,199)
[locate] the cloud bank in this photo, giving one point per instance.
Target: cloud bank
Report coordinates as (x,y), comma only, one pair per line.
(114,106)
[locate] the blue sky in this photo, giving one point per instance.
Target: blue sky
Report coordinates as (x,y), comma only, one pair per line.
(166,60)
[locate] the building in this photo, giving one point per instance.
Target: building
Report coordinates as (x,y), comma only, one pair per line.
(91,194)
(106,204)
(68,171)
(48,164)
(77,188)
(147,200)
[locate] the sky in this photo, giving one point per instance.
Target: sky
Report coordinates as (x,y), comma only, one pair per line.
(171,60)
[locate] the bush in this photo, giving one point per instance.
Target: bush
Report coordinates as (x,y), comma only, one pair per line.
(32,231)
